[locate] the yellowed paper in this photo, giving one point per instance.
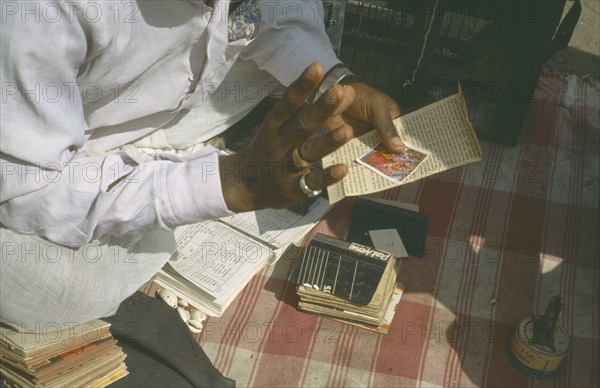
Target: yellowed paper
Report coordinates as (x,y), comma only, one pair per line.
(443,128)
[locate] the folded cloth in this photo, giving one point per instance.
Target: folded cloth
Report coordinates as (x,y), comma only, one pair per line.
(161,351)
(47,285)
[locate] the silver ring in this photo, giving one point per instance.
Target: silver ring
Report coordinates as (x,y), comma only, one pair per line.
(307,190)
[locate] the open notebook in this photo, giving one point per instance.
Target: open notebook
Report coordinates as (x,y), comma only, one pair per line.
(216,259)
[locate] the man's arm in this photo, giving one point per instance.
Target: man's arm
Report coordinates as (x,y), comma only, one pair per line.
(49,186)
(52,188)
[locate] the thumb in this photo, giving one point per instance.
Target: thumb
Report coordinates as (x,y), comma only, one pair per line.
(381,115)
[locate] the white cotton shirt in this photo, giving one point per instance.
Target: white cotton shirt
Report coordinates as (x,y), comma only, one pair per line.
(81,78)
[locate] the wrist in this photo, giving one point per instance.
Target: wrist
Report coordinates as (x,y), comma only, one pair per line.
(236,193)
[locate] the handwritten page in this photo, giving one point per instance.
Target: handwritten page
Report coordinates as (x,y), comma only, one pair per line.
(443,128)
(278,227)
(215,257)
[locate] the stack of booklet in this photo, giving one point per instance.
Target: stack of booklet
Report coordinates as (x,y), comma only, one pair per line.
(215,259)
(350,282)
(85,355)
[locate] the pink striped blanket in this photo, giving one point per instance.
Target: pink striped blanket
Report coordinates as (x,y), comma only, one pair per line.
(505,235)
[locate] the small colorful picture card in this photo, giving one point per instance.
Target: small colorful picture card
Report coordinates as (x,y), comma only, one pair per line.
(394,166)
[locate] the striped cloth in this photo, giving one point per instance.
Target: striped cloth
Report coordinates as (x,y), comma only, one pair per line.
(505,235)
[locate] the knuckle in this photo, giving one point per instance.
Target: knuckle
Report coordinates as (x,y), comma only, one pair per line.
(303,122)
(323,110)
(378,103)
(294,93)
(330,97)
(315,181)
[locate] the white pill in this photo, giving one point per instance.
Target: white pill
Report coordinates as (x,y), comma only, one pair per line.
(195,323)
(168,296)
(197,315)
(182,303)
(193,329)
(183,313)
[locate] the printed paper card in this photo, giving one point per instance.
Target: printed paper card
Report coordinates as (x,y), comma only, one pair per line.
(394,166)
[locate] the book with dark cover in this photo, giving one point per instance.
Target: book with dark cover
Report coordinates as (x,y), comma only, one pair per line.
(347,270)
(369,214)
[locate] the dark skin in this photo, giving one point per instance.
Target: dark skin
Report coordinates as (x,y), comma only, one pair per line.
(371,109)
(263,175)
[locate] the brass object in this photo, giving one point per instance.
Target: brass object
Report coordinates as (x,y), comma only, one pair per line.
(544,326)
(540,342)
(299,162)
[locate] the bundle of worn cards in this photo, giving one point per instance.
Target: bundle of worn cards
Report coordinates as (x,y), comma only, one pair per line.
(83,355)
(347,281)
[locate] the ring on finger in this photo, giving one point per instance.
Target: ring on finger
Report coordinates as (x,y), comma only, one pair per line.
(301,164)
(307,190)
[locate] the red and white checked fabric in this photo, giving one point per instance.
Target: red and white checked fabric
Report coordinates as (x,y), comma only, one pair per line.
(505,235)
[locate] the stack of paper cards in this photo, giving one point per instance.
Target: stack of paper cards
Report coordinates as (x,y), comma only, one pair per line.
(85,355)
(347,281)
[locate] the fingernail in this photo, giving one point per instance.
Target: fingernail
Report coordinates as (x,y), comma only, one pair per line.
(335,171)
(339,134)
(340,170)
(313,71)
(397,143)
(331,172)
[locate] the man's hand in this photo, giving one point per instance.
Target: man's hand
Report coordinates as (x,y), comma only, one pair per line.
(370,109)
(263,174)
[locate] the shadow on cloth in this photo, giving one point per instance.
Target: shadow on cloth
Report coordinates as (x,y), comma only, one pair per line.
(160,349)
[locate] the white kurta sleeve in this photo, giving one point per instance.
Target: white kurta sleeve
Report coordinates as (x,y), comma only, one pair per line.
(291,36)
(52,189)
